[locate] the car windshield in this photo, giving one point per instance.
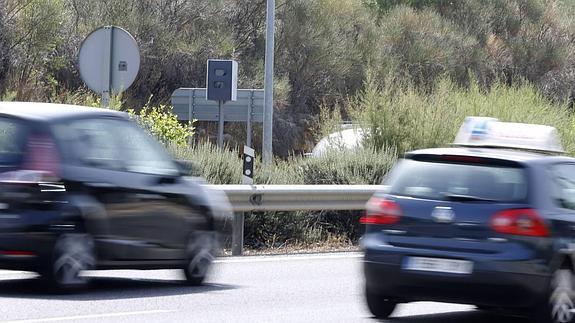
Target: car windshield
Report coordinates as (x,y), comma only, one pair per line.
(458,182)
(12,142)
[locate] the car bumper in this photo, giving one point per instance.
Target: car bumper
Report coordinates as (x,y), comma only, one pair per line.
(492,283)
(25,251)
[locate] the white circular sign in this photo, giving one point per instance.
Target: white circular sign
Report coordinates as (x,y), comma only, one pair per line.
(109,60)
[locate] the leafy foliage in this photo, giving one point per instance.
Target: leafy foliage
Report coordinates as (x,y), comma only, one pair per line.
(406,119)
(164,124)
(324,49)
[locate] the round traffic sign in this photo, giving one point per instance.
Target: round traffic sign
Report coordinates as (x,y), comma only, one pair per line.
(109,60)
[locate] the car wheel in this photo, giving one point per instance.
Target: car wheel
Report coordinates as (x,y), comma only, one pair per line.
(381,307)
(200,256)
(73,254)
(559,307)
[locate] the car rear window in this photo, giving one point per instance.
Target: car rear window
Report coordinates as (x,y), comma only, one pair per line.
(446,181)
(12,142)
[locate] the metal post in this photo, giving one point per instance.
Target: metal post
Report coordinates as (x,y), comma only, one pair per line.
(221,125)
(107,79)
(269,85)
(238,234)
(249,121)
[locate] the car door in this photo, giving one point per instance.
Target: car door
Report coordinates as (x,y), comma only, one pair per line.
(161,218)
(562,194)
(95,170)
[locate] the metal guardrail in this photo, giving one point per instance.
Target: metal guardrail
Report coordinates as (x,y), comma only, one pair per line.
(248,198)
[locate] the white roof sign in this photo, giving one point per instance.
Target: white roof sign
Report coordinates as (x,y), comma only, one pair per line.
(490,132)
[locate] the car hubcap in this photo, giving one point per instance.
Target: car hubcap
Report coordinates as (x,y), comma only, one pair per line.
(562,297)
(74,254)
(201,248)
(199,266)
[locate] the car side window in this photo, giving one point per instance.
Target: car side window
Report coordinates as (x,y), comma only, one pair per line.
(141,152)
(564,185)
(91,142)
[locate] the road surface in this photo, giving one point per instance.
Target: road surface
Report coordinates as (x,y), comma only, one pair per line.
(309,288)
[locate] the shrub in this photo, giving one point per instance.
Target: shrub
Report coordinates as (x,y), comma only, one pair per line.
(406,119)
(215,165)
(164,124)
(421,46)
(273,229)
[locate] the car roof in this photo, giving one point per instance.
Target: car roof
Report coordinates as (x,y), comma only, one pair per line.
(520,156)
(52,111)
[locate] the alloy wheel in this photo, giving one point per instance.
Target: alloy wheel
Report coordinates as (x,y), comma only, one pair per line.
(561,300)
(73,254)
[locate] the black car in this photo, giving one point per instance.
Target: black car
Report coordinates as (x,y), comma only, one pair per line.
(478,224)
(85,188)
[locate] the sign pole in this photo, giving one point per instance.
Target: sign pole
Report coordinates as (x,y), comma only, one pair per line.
(269,84)
(239,217)
(238,234)
(220,125)
(107,77)
(249,121)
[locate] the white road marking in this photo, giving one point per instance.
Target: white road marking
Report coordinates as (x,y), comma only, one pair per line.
(87,317)
(12,272)
(249,259)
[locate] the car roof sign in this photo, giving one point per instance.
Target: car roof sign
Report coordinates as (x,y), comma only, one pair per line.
(492,133)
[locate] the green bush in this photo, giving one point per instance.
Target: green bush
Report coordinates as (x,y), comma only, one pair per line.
(273,229)
(421,46)
(164,125)
(216,166)
(406,119)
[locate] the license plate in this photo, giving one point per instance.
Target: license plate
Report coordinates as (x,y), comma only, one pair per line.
(451,266)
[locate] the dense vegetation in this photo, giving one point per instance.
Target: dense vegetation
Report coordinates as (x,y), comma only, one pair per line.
(324,49)
(407,70)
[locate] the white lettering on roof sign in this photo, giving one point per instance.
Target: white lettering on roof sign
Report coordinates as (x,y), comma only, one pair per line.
(490,132)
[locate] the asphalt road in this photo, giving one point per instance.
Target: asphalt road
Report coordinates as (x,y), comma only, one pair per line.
(311,288)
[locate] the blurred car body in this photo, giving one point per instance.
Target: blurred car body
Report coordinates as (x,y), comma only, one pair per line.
(478,224)
(86,188)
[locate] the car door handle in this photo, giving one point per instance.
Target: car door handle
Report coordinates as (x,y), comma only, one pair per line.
(142,196)
(100,185)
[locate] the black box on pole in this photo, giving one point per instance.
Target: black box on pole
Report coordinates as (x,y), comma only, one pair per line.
(222,80)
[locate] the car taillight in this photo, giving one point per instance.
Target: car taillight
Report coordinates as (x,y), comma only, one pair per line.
(523,222)
(381,211)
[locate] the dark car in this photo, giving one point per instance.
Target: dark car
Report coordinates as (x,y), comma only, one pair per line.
(477,224)
(85,188)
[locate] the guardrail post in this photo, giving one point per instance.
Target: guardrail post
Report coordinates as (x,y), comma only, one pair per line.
(238,234)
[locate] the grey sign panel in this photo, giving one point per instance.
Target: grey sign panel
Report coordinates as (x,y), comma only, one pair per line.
(190,103)
(109,60)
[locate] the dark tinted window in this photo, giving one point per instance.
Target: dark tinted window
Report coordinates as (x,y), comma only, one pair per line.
(141,152)
(115,144)
(442,181)
(91,142)
(12,141)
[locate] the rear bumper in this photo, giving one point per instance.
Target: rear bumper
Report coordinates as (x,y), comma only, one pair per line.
(493,289)
(509,283)
(25,251)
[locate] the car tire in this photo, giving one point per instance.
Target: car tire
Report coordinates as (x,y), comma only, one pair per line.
(73,254)
(559,306)
(381,307)
(200,256)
